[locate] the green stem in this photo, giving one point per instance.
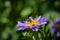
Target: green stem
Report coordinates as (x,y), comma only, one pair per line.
(33,38)
(35,35)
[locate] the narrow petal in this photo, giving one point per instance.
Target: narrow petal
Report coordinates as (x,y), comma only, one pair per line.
(58,34)
(35,29)
(56,20)
(43,23)
(20,24)
(25,21)
(21,28)
(31,18)
(38,18)
(52,30)
(43,19)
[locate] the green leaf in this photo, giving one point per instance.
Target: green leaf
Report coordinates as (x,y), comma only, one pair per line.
(27,34)
(26,11)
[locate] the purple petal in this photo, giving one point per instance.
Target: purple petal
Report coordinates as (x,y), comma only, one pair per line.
(25,21)
(58,34)
(56,20)
(31,18)
(35,29)
(52,30)
(20,24)
(38,18)
(43,20)
(21,28)
(43,23)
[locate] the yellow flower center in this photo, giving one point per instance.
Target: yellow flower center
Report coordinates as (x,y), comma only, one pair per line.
(35,22)
(32,22)
(29,24)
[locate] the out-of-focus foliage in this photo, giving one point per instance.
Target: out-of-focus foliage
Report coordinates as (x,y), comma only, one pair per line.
(12,11)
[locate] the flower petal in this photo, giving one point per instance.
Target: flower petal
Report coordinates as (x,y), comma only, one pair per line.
(38,18)
(25,21)
(21,28)
(31,18)
(43,19)
(58,34)
(20,24)
(43,23)
(35,29)
(52,30)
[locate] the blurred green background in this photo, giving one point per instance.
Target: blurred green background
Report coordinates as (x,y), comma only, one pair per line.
(12,11)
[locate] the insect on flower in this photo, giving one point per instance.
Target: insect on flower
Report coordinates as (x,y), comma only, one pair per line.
(33,24)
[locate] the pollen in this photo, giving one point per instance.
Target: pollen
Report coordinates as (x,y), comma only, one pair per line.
(35,22)
(29,24)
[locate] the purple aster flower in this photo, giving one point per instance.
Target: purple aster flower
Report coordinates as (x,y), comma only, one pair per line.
(33,24)
(56,28)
